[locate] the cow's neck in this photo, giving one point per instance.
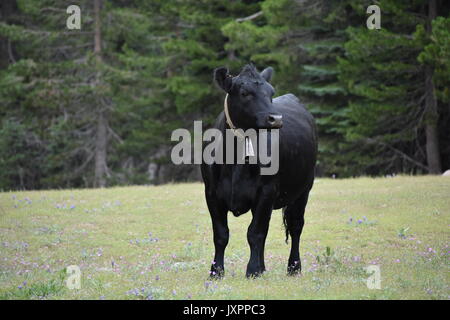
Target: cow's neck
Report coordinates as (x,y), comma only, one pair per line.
(248,146)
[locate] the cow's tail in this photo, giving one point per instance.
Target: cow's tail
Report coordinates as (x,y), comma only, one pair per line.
(286,228)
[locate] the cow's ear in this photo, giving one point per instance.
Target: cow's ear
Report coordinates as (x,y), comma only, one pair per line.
(223,78)
(267,73)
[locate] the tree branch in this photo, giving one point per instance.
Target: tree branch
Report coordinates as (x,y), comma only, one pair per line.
(404,155)
(10,53)
(251,17)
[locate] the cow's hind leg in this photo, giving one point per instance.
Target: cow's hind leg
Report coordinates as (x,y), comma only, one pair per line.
(293,216)
(220,234)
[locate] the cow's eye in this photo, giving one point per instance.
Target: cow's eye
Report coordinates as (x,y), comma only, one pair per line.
(245,93)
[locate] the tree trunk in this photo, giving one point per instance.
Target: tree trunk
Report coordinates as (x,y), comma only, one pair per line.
(97,33)
(101,143)
(431,113)
(101,139)
(7,8)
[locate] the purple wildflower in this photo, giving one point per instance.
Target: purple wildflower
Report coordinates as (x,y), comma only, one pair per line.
(207,284)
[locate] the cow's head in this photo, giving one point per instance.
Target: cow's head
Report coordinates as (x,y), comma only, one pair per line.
(249,98)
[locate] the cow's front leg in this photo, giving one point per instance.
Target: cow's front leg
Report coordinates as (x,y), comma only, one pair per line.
(220,235)
(257,233)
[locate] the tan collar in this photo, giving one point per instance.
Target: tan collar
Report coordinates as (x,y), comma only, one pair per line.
(248,146)
(228,119)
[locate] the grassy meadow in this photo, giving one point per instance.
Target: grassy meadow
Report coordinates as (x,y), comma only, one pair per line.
(155,242)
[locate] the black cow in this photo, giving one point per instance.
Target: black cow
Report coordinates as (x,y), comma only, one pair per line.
(240,187)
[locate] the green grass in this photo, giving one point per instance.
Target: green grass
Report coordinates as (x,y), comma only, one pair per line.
(156,242)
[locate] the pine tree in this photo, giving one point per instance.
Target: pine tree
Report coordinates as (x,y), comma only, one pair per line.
(302,40)
(66,87)
(390,90)
(192,45)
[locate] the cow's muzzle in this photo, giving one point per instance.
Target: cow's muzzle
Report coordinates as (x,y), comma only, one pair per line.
(275,121)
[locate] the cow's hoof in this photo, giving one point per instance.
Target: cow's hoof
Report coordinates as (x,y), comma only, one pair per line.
(294,268)
(215,276)
(251,274)
(216,273)
(293,272)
